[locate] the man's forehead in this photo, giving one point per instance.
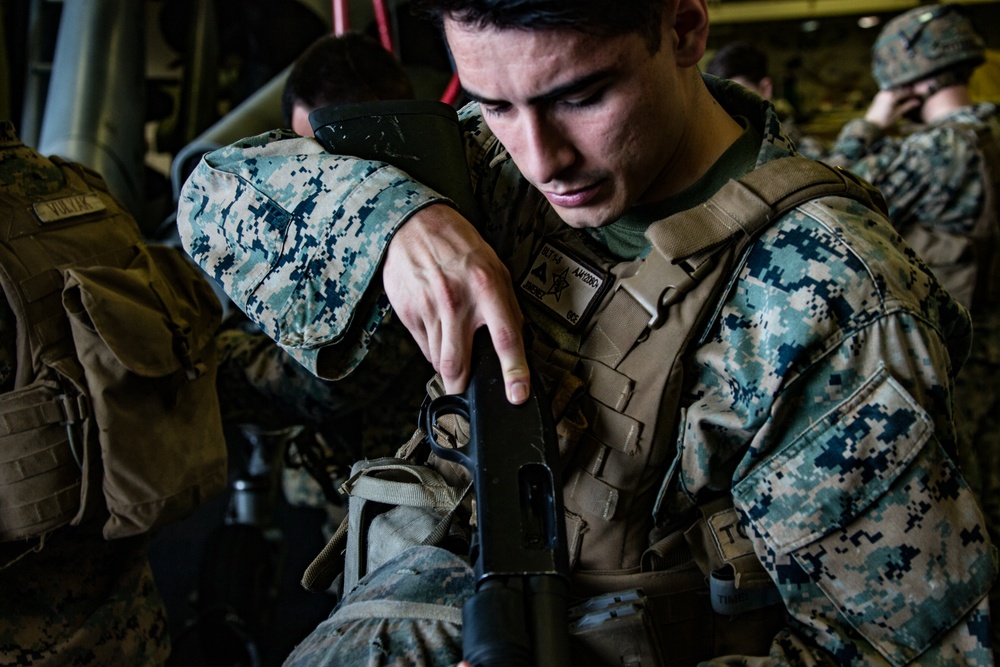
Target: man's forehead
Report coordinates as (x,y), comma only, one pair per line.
(538,63)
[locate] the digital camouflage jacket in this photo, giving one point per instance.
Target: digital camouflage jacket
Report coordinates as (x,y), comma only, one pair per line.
(819,394)
(942,182)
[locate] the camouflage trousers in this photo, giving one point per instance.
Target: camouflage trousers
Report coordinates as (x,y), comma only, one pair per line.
(81,600)
(407,612)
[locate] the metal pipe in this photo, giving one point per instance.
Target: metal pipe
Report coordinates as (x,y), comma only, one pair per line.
(95,111)
(341,20)
(382,21)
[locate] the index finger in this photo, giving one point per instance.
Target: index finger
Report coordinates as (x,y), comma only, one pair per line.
(505,324)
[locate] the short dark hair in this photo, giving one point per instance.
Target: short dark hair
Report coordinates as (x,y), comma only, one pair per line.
(738,59)
(344,69)
(598,17)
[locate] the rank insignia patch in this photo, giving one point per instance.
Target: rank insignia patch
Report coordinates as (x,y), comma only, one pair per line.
(565,285)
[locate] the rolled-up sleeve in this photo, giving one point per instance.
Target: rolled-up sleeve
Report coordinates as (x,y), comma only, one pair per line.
(295,236)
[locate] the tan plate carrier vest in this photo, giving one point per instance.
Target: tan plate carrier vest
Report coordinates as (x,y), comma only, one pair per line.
(617,401)
(114,410)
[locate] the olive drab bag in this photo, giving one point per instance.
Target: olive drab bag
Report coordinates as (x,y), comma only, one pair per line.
(114,410)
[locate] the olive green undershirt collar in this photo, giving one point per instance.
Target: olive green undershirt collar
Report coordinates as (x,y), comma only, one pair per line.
(625,237)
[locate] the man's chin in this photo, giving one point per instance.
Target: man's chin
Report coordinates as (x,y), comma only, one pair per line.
(584,217)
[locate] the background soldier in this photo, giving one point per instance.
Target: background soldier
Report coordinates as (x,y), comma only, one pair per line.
(941,178)
(341,69)
(110,423)
(748,66)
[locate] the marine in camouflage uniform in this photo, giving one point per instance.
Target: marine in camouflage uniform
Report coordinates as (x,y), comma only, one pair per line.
(942,182)
(75,598)
(819,393)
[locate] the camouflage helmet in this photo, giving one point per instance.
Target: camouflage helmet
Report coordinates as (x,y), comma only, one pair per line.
(922,42)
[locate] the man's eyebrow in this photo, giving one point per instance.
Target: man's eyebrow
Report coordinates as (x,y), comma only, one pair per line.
(565,90)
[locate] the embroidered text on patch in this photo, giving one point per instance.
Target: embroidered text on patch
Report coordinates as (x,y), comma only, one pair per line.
(563,284)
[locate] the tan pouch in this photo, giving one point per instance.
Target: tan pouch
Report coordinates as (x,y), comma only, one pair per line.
(145,337)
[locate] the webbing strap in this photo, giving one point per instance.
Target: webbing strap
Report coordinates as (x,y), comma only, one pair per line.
(383,609)
(61,410)
(53,510)
(606,385)
(365,484)
(38,462)
(686,246)
(421,492)
(323,569)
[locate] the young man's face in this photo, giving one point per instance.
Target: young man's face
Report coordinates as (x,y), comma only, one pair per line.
(597,124)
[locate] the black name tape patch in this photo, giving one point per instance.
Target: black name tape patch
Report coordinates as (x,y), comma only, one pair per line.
(564,284)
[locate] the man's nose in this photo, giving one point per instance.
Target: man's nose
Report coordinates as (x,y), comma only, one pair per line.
(546,150)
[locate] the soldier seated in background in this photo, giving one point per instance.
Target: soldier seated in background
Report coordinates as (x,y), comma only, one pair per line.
(940,173)
(109,420)
(341,69)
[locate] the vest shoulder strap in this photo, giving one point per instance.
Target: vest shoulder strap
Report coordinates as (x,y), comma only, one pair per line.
(686,246)
(747,205)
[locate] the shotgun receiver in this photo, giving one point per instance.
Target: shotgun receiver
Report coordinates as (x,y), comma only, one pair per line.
(518,614)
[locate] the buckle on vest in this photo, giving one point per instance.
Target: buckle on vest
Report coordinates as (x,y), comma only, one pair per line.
(74,408)
(657,285)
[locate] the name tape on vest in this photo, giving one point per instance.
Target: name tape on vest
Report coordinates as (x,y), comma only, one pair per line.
(563,284)
(68,207)
(730,537)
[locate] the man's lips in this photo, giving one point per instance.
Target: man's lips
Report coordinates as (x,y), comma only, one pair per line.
(571,198)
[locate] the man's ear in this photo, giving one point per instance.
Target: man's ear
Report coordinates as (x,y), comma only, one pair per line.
(690,31)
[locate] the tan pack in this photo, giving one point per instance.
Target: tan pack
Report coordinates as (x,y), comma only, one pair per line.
(114,409)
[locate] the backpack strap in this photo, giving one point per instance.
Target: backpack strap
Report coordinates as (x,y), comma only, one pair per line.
(686,246)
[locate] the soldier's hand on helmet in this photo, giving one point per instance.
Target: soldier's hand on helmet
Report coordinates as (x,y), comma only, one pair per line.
(888,106)
(444,282)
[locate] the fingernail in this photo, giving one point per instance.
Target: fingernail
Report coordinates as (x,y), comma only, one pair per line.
(518,392)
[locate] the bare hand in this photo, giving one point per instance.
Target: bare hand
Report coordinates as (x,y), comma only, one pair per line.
(444,282)
(888,106)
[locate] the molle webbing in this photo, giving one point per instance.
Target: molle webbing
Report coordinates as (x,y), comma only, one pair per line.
(631,356)
(45,424)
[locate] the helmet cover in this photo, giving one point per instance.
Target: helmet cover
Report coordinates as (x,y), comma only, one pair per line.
(922,42)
